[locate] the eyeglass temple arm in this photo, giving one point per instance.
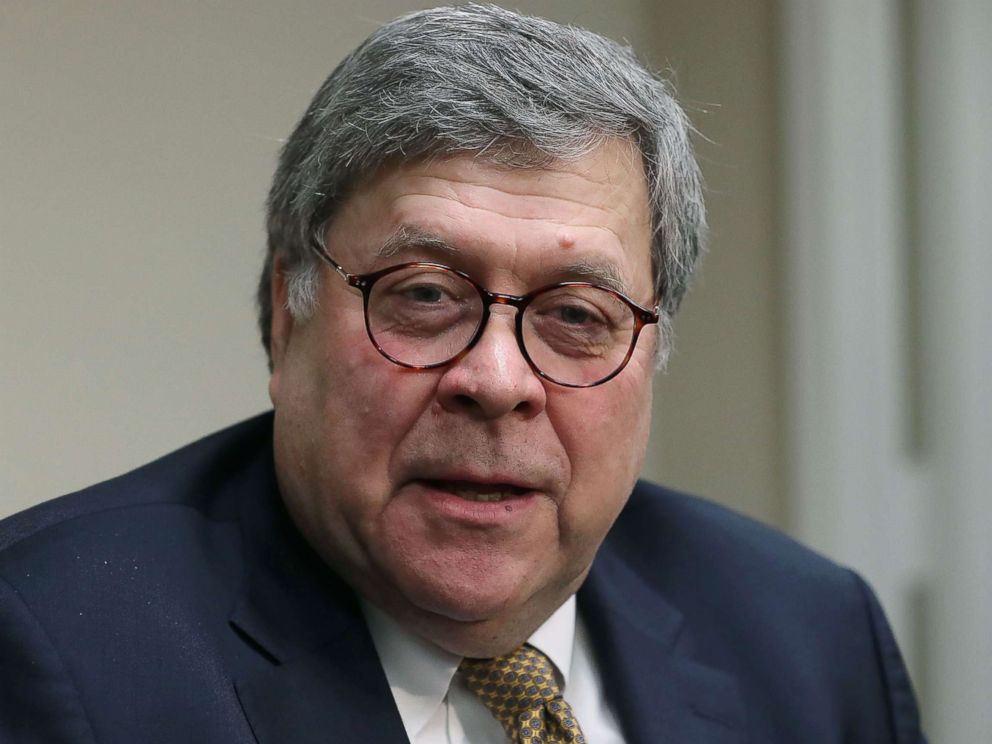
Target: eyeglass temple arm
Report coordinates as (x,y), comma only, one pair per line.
(322,253)
(648,316)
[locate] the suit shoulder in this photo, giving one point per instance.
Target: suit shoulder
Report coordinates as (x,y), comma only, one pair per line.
(691,531)
(732,577)
(192,476)
(788,623)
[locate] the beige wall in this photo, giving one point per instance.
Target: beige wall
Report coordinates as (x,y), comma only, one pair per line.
(136,144)
(717,427)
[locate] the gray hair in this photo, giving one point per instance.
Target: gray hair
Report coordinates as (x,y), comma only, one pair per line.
(520,91)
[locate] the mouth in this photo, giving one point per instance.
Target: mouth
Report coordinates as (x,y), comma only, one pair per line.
(480,492)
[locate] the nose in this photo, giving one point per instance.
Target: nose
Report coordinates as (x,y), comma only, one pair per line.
(493,379)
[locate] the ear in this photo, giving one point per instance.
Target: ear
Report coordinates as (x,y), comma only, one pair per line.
(281,327)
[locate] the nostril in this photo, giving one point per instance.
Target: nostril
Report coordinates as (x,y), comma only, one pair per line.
(525,407)
(466,401)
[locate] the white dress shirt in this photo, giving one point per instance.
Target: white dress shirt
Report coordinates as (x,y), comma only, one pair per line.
(437,707)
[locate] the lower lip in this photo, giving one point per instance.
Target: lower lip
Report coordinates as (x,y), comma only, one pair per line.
(476,513)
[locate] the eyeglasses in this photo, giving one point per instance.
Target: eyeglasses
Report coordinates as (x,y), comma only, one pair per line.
(424,315)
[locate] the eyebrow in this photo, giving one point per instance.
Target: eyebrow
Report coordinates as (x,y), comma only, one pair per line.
(409,238)
(605,275)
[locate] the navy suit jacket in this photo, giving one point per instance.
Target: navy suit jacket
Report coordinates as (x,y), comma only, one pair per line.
(177,603)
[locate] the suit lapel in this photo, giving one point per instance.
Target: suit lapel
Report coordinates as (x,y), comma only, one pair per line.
(324,683)
(337,693)
(658,691)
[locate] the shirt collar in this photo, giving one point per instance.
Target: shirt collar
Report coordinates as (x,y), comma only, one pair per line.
(419,673)
(556,638)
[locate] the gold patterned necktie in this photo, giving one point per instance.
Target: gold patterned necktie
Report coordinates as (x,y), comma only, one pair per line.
(521,691)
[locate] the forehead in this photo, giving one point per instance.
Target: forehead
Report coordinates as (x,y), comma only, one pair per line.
(592,211)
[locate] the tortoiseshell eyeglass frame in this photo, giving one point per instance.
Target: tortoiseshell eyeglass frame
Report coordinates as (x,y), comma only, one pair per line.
(365,282)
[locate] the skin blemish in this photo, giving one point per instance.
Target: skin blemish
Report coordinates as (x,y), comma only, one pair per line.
(566,240)
(508,508)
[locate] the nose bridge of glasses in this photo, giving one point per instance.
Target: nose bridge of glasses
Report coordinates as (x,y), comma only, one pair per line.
(507,303)
(504,305)
(497,298)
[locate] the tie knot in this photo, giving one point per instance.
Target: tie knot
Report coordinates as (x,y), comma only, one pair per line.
(521,692)
(522,679)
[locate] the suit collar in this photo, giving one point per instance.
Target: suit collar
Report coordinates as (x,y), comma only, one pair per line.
(658,690)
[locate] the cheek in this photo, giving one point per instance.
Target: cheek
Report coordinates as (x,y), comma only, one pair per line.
(368,406)
(353,386)
(605,437)
(341,412)
(347,405)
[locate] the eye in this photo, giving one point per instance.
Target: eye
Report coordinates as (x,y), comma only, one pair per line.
(576,321)
(424,288)
(573,311)
(426,293)
(576,315)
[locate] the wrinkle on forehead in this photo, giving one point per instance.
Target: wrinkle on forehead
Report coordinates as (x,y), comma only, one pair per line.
(611,229)
(530,193)
(408,237)
(593,212)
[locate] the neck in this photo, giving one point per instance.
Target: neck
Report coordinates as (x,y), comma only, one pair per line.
(480,639)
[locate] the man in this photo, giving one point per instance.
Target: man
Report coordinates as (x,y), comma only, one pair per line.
(477,236)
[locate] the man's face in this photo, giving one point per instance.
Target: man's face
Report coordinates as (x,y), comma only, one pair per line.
(384,468)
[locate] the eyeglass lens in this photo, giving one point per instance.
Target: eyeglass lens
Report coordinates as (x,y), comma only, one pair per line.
(423,316)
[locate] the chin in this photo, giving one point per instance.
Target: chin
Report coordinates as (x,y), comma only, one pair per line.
(474,626)
(475,615)
(463,599)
